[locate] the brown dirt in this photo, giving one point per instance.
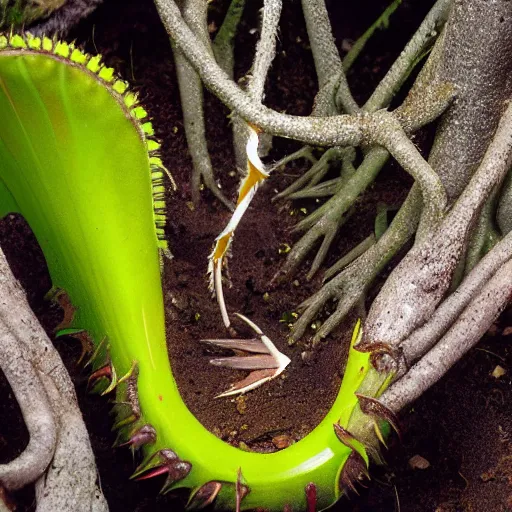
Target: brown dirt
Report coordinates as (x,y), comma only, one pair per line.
(463,426)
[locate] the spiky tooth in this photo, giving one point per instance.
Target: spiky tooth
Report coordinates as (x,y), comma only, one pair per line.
(97,355)
(377,410)
(78,56)
(154,460)
(62,49)
(150,462)
(113,381)
(177,470)
(86,343)
(384,357)
(144,435)
(103,372)
(47,44)
(204,496)
(163,462)
(120,86)
(310,491)
(94,63)
(82,336)
(241,491)
(345,436)
(62,298)
(17,41)
(125,421)
(127,376)
(33,42)
(354,470)
(71,331)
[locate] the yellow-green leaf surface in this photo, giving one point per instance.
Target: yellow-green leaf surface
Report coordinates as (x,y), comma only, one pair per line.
(78,164)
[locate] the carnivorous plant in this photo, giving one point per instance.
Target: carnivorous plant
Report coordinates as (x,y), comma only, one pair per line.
(79,160)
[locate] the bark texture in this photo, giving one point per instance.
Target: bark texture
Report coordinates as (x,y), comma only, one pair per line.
(476,58)
(419,282)
(70,481)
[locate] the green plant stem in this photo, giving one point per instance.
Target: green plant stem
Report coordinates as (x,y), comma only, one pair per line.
(351,284)
(421,40)
(324,189)
(223,44)
(381,22)
(352,255)
(314,174)
(325,222)
(304,152)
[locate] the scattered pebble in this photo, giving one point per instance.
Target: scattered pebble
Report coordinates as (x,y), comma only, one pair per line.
(488,475)
(306,356)
(346,45)
(241,404)
(244,446)
(507,331)
(282,441)
(498,372)
(418,462)
(284,248)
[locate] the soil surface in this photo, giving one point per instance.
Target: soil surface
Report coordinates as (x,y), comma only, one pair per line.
(462,427)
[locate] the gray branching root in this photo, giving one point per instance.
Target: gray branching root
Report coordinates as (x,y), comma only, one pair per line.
(191,94)
(454,279)
(351,284)
(59,456)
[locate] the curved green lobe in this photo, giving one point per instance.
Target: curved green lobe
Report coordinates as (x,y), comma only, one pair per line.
(76,166)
